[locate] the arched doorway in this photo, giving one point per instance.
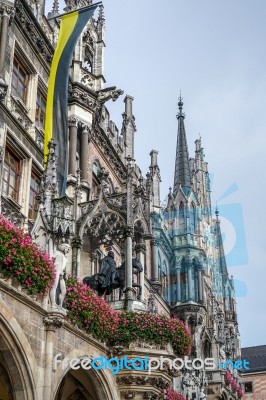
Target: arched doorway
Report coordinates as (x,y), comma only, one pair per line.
(6,390)
(16,360)
(83,385)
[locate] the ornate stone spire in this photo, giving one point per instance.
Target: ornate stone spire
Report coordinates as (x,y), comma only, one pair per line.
(48,189)
(219,244)
(182,169)
(55,9)
(75,4)
(101,17)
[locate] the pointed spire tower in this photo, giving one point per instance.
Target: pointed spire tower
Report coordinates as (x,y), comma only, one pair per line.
(182,168)
(55,9)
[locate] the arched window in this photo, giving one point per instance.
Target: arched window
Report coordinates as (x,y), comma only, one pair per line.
(181,209)
(87,60)
(96,169)
(206,349)
(181,217)
(193,217)
(110,186)
(163,276)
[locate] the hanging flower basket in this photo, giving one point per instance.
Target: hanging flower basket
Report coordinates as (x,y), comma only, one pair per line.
(89,312)
(24,260)
(171,394)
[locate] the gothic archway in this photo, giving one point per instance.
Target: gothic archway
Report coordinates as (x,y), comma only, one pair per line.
(16,360)
(76,386)
(84,384)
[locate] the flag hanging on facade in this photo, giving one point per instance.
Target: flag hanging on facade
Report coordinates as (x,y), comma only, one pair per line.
(56,125)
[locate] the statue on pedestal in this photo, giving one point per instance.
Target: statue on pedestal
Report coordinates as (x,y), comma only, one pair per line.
(59,286)
(187,385)
(202,395)
(110,277)
(222,355)
(108,270)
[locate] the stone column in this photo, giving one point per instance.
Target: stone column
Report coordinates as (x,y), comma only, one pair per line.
(189,277)
(52,321)
(178,284)
(84,152)
(7,15)
(76,246)
(154,265)
(73,133)
(93,263)
(155,282)
(200,286)
(129,270)
(140,250)
(4,32)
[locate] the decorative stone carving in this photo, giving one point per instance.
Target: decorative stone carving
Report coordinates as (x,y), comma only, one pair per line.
(75,4)
(6,9)
(48,187)
(72,121)
(109,93)
(33,34)
(192,384)
(87,80)
(87,38)
(129,394)
(39,139)
(53,321)
(152,304)
(19,111)
(151,396)
(222,355)
(3,89)
(158,382)
(127,120)
(63,219)
(105,226)
(11,210)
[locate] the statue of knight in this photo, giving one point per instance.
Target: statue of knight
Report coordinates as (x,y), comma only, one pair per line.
(58,291)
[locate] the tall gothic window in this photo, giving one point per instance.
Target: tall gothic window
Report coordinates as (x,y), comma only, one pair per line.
(11,175)
(20,79)
(193,217)
(163,275)
(40,110)
(87,63)
(34,189)
(181,217)
(96,169)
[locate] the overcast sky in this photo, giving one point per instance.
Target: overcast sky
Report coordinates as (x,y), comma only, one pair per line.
(214,51)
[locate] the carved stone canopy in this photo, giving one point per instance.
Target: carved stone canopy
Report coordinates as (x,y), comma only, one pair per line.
(104,218)
(109,216)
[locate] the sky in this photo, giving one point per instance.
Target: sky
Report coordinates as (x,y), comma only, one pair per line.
(214,52)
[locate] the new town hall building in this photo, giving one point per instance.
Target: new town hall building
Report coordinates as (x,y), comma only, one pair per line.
(110,205)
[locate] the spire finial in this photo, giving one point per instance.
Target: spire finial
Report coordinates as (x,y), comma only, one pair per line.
(180,106)
(55,9)
(101,18)
(182,167)
(216,211)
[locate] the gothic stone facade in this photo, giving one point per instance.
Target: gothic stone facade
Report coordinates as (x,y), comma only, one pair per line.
(109,205)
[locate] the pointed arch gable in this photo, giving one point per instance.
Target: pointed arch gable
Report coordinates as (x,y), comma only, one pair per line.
(98,209)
